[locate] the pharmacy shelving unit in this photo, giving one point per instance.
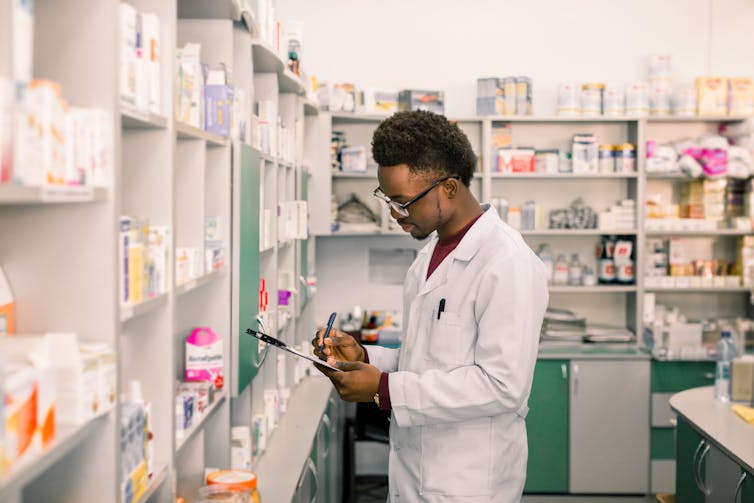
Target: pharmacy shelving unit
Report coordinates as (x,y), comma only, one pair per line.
(174,175)
(59,250)
(358,129)
(609,304)
(695,302)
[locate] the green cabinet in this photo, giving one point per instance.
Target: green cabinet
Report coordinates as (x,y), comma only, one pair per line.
(747,488)
(245,306)
(547,426)
(689,447)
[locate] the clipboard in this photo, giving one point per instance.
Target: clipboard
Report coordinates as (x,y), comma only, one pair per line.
(277,343)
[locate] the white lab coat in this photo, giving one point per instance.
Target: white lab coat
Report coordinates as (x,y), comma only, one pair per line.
(459,385)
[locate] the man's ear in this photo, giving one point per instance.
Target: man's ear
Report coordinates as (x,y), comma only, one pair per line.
(451,187)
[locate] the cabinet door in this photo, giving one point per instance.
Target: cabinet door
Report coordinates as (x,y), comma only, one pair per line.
(609,428)
(689,445)
(547,429)
(721,475)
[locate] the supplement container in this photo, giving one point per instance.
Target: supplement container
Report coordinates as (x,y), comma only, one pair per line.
(591,98)
(625,158)
(569,103)
(243,482)
(614,102)
(605,159)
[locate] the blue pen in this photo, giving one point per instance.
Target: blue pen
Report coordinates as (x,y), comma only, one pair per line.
(327,330)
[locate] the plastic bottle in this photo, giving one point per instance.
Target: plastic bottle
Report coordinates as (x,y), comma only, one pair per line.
(575,271)
(725,351)
(545,255)
(560,271)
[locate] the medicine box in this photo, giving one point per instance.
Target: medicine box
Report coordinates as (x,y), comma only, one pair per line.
(712,95)
(742,379)
(412,99)
(218,100)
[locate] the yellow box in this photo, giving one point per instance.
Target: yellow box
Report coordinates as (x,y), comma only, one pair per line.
(712,95)
(741,96)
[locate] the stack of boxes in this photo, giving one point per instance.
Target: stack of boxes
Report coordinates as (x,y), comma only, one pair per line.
(504,96)
(143,257)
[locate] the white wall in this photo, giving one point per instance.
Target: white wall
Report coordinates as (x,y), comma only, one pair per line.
(448,44)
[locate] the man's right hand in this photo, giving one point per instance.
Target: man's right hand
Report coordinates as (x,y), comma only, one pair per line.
(338,345)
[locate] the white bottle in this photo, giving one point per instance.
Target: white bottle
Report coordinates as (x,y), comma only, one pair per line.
(725,351)
(545,255)
(575,271)
(560,272)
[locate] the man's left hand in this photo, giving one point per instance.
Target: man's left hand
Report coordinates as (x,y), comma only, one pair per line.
(357,383)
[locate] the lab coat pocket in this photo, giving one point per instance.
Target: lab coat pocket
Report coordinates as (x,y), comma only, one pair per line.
(451,340)
(455,458)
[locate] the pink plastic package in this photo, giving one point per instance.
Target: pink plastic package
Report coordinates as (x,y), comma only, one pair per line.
(204,357)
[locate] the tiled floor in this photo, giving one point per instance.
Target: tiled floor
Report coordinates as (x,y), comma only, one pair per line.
(374,490)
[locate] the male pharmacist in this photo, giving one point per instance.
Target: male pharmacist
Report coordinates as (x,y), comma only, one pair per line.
(473,304)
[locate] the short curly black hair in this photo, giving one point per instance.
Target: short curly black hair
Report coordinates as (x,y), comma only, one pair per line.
(426,142)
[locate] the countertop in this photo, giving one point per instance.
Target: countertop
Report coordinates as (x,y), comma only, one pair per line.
(592,351)
(279,468)
(716,421)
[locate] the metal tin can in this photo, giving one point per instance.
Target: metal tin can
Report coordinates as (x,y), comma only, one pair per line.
(625,158)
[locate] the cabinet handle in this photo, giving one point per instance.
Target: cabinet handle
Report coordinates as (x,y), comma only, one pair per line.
(709,375)
(673,422)
(575,378)
(740,485)
(313,469)
(564,373)
(702,485)
(695,464)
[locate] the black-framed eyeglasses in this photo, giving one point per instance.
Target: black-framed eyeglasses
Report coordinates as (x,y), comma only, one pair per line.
(402,208)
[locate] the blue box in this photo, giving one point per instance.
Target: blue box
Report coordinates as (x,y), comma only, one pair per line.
(218,102)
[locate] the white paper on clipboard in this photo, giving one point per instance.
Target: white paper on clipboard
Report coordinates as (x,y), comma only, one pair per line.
(277,343)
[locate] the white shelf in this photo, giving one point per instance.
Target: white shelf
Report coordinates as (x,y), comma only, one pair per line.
(286,243)
(701,233)
(196,283)
(561,119)
(285,164)
(668,176)
(377,233)
(675,289)
(130,118)
(188,132)
(698,118)
(358,117)
(219,9)
(159,478)
(594,289)
(267,157)
(131,312)
(53,194)
(370,174)
(289,82)
(578,232)
(310,107)
(67,438)
(558,176)
(265,58)
(199,422)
